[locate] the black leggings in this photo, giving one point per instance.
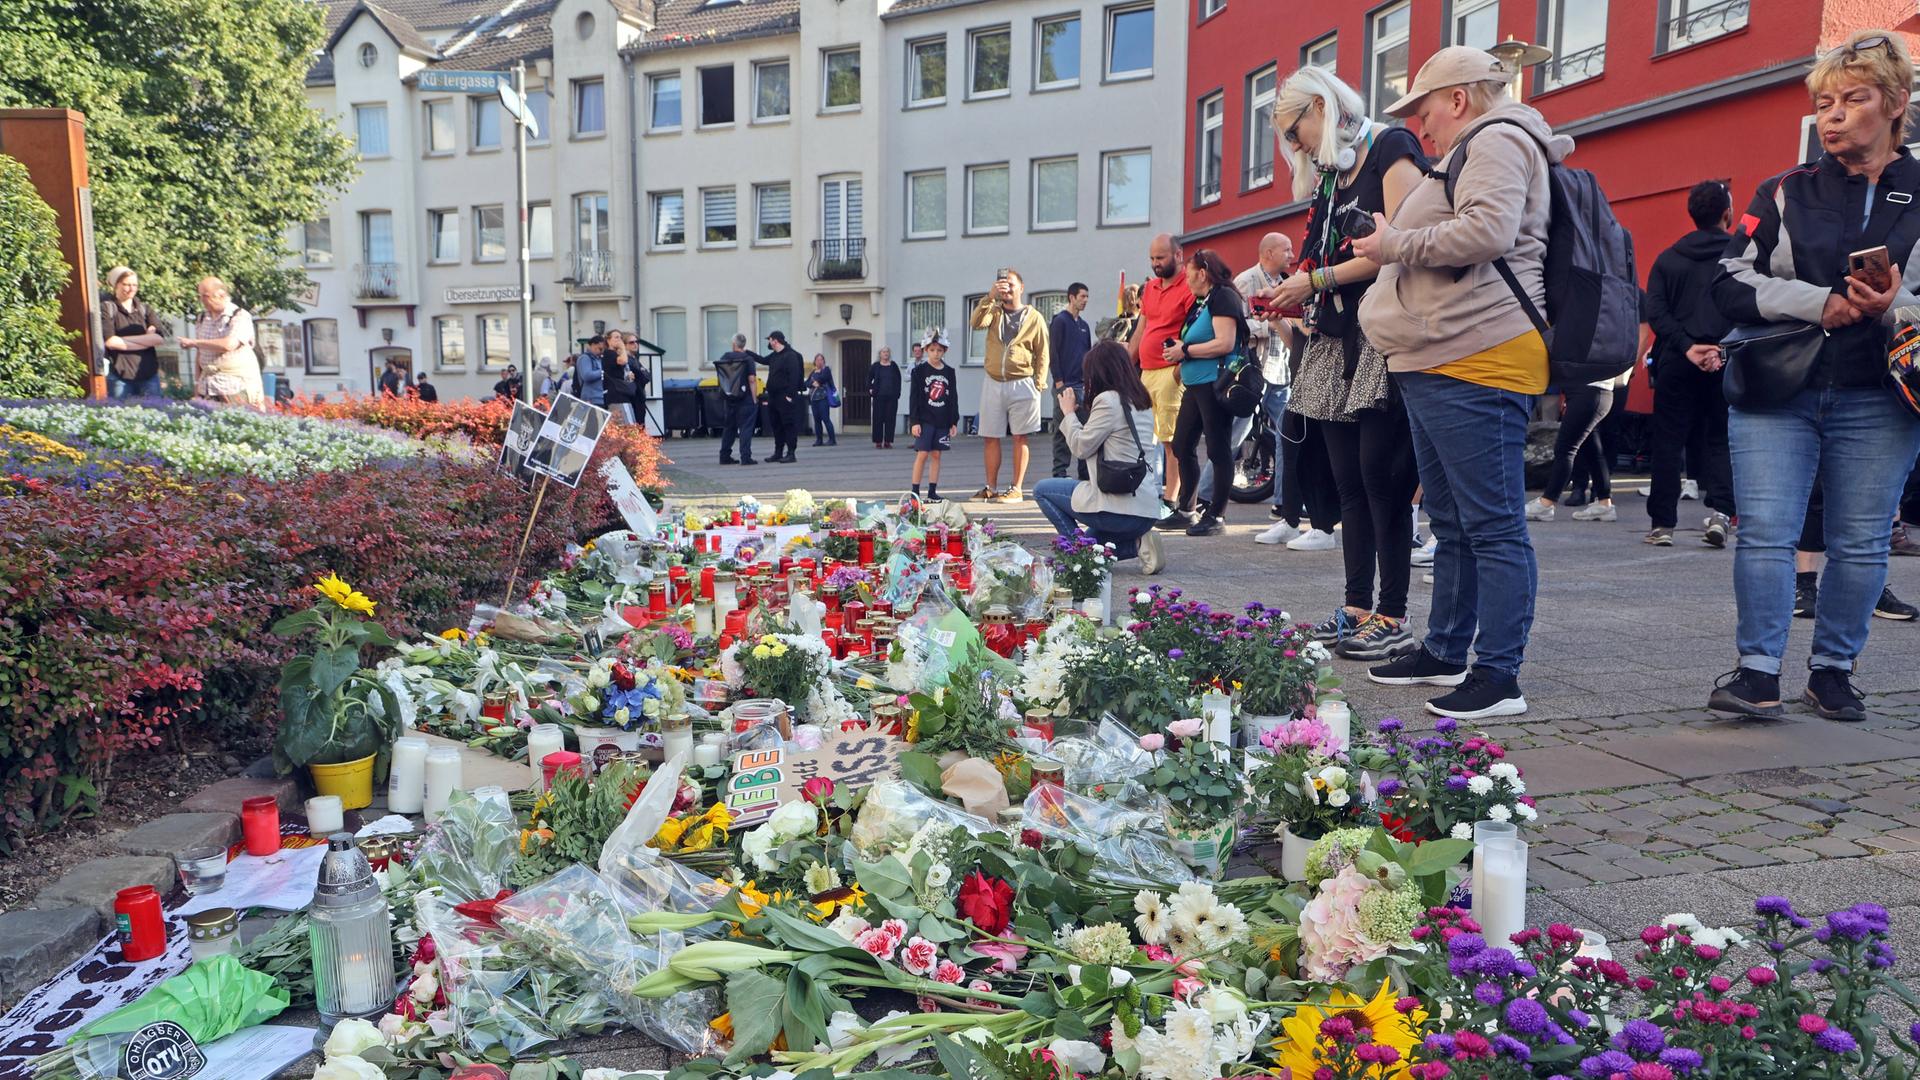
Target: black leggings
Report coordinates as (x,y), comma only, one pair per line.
(1202,413)
(1580,426)
(1372,459)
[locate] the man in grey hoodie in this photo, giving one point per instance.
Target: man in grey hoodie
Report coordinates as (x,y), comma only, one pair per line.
(1468,361)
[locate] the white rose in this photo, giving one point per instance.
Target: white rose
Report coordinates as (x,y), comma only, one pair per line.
(841,1028)
(597,677)
(938,875)
(758,846)
(1338,798)
(1336,778)
(423,989)
(1499,813)
(393,1027)
(1480,785)
(1224,1005)
(348,1068)
(849,926)
(1462,831)
(794,820)
(1079,1058)
(350,1037)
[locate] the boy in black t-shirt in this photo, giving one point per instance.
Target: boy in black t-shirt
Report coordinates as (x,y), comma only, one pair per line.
(934,410)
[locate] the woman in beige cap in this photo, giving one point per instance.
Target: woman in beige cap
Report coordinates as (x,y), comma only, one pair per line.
(133,331)
(225,366)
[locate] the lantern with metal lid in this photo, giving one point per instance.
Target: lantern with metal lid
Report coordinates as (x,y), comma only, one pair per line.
(351,939)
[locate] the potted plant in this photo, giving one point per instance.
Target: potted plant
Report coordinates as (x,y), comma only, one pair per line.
(1277,666)
(1084,567)
(1202,790)
(335,722)
(1299,780)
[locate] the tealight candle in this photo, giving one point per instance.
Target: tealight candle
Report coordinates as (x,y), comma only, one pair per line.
(706,755)
(443,779)
(542,739)
(324,815)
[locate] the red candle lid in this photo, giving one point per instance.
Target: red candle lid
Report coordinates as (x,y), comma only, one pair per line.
(259,802)
(135,892)
(560,759)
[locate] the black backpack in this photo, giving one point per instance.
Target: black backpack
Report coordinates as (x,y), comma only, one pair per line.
(1592,322)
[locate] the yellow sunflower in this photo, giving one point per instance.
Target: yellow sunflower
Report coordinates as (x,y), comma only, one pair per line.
(344,594)
(1297,1047)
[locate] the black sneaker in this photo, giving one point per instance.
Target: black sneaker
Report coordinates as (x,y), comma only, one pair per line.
(1177,520)
(1806,596)
(1418,668)
(1746,692)
(1206,526)
(1831,693)
(1278,514)
(729,461)
(1379,638)
(1483,694)
(1336,628)
(749,461)
(1892,607)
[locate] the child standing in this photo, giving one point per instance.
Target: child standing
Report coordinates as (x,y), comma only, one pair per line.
(934,411)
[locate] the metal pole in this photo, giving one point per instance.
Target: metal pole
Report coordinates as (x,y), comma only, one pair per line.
(528,388)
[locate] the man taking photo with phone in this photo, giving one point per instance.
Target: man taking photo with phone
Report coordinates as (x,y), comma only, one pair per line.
(1016,379)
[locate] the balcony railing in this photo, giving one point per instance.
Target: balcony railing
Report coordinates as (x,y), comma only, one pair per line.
(1706,22)
(839,260)
(1573,67)
(376,281)
(592,271)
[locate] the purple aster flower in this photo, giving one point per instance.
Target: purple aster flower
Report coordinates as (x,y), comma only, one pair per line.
(1914,1032)
(1606,1064)
(1847,924)
(1390,724)
(1488,993)
(1874,915)
(1820,965)
(1680,1059)
(1641,1037)
(1440,1044)
(1456,783)
(1446,725)
(1494,963)
(1579,1018)
(1835,1041)
(1512,1047)
(1880,956)
(1389,787)
(1175,654)
(1525,1016)
(1774,905)
(1464,945)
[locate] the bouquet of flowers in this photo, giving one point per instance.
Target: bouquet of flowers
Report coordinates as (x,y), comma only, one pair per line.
(1195,777)
(1439,785)
(1277,664)
(1123,676)
(1196,641)
(632,693)
(1299,780)
(798,505)
(1081,563)
(1043,675)
(784,666)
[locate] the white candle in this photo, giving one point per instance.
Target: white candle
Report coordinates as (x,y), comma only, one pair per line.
(324,815)
(443,779)
(1217,709)
(703,618)
(1093,609)
(542,740)
(676,742)
(407,780)
(715,739)
(706,755)
(1338,720)
(1504,878)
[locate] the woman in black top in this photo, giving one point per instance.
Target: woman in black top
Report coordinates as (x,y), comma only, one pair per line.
(133,330)
(1352,168)
(820,396)
(617,376)
(1215,335)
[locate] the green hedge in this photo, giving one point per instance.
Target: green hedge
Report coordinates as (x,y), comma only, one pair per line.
(35,360)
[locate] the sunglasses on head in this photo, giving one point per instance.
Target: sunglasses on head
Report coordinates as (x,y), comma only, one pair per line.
(1877,41)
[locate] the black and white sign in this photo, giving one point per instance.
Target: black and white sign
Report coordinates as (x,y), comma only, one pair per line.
(522,428)
(567,438)
(629,499)
(483,294)
(161,1051)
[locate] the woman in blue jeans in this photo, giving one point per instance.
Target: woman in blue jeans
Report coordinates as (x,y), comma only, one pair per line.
(1111,434)
(820,396)
(1834,419)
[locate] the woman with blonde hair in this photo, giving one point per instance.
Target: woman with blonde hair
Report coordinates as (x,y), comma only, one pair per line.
(1352,168)
(1815,407)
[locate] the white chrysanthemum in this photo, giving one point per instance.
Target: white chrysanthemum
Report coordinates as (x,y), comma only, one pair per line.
(1480,785)
(1190,1029)
(1503,770)
(1151,922)
(1461,831)
(1519,786)
(1499,812)
(1525,812)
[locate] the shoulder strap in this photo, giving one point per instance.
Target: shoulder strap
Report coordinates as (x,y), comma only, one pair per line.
(1451,176)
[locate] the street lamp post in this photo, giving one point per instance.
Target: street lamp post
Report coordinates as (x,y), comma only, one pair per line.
(522,116)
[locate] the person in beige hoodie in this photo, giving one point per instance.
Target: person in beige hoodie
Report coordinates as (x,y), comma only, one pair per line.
(1468,361)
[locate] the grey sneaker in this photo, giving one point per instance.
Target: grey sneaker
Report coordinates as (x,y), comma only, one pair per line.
(1379,638)
(1717,528)
(1659,537)
(1539,511)
(1596,512)
(1903,542)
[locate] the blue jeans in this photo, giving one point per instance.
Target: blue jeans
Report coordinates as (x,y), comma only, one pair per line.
(118,387)
(1054,496)
(1275,403)
(1469,443)
(740,416)
(1861,444)
(823,421)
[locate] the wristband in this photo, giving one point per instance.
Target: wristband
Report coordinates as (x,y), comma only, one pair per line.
(1184,354)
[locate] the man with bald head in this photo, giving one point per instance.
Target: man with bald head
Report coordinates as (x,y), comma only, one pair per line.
(225,367)
(1164,301)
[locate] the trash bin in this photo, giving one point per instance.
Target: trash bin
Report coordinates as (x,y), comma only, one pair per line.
(680,406)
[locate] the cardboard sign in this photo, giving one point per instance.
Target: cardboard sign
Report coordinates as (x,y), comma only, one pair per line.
(629,499)
(765,780)
(567,438)
(522,428)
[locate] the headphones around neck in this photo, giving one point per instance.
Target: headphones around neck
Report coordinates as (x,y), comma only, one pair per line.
(1349,151)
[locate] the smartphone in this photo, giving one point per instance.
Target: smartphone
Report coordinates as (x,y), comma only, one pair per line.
(1260,305)
(1873,266)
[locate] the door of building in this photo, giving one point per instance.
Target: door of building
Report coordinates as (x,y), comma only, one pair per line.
(856,404)
(377,360)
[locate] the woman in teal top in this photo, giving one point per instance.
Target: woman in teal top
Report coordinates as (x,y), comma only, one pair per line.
(1216,330)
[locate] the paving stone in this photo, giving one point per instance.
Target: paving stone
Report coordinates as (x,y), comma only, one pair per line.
(1548,876)
(226,796)
(1624,908)
(1736,855)
(1826,806)
(1819,887)
(93,883)
(1805,815)
(1784,830)
(1695,752)
(1847,830)
(1750,800)
(1737,821)
(1789,854)
(1829,847)
(1580,768)
(1688,834)
(177,832)
(1890,842)
(36,944)
(1646,866)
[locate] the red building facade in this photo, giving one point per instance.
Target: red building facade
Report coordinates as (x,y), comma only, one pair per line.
(1658,94)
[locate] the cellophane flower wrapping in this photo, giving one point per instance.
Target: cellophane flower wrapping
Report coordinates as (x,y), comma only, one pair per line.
(1007,573)
(471,848)
(894,812)
(1108,756)
(1127,839)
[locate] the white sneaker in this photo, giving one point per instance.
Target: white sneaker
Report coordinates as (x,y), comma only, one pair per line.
(1311,540)
(1690,489)
(1424,556)
(1539,511)
(1646,491)
(1153,557)
(1596,512)
(1278,533)
(1427,577)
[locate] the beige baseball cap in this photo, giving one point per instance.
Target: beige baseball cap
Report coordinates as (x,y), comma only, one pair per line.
(1455,65)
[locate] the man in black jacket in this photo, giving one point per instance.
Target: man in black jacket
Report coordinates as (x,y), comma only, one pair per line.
(883,383)
(1689,413)
(738,385)
(785,375)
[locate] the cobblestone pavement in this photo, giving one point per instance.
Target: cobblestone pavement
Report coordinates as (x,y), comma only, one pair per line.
(1650,804)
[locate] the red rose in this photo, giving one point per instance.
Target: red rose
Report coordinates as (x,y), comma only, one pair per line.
(986,902)
(1031,838)
(479,1072)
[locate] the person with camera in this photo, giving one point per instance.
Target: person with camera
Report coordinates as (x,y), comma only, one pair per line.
(1215,333)
(1466,357)
(1811,281)
(1352,169)
(1117,502)
(1016,377)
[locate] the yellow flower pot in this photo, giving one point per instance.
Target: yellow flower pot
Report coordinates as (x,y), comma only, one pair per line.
(351,780)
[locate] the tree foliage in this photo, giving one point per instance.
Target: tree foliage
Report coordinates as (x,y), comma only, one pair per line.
(202,149)
(35,360)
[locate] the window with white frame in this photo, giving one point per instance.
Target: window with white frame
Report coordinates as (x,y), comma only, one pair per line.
(840,78)
(1210,144)
(773,213)
(720,324)
(1210,8)
(589,107)
(592,228)
(1048,304)
(990,62)
(770,317)
(719,217)
(1262,90)
(495,348)
(449,343)
(927,204)
(546,339)
(976,340)
(772,90)
(669,219)
(842,209)
(1577,34)
(670,333)
(1322,53)
(988,198)
(663,96)
(716,96)
(924,313)
(441,138)
(316,242)
(539,108)
(1130,42)
(1126,181)
(540,230)
(1389,32)
(376,236)
(322,346)
(489,233)
(1689,22)
(1056,193)
(1475,23)
(1056,53)
(926,72)
(370,130)
(443,235)
(486,123)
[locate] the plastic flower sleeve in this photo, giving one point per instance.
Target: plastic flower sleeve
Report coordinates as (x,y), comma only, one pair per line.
(1008,574)
(639,877)
(1130,844)
(894,811)
(1109,754)
(471,848)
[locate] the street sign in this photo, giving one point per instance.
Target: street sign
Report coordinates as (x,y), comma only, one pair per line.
(462,82)
(516,107)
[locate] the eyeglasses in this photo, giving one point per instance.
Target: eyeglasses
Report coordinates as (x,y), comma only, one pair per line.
(1877,41)
(1292,135)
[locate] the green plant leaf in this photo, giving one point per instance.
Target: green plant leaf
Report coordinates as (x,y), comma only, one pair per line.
(332,667)
(756,1001)
(885,879)
(1436,856)
(921,770)
(292,625)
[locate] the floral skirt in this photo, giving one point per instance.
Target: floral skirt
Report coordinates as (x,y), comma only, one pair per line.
(1321,391)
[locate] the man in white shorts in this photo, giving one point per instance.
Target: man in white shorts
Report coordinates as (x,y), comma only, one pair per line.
(1016,378)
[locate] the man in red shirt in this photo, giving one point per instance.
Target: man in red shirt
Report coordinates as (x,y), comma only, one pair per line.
(1164,302)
